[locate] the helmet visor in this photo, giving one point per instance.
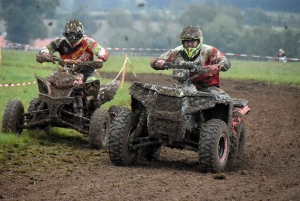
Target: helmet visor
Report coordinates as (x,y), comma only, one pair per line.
(190,43)
(192,46)
(73,37)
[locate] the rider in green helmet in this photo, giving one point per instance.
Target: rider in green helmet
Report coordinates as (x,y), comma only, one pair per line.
(193,50)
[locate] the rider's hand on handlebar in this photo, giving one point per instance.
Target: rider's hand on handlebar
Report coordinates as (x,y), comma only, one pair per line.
(100,65)
(215,69)
(47,55)
(160,64)
(100,60)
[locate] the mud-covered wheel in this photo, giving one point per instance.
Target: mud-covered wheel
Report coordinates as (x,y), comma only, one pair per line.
(119,149)
(12,117)
(150,152)
(214,146)
(114,110)
(99,129)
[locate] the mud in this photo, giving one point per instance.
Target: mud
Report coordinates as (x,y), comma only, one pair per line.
(270,170)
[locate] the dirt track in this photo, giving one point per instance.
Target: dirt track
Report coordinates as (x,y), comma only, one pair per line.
(271,170)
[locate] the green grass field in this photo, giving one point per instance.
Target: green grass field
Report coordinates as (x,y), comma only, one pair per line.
(20,67)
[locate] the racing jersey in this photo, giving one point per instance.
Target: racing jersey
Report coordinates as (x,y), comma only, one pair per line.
(84,51)
(208,55)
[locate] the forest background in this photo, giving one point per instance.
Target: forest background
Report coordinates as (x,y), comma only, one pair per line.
(241,27)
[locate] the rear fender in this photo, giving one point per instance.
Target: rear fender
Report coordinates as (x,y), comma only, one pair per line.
(240,106)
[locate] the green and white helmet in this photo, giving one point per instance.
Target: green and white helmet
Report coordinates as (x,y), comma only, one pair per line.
(192,33)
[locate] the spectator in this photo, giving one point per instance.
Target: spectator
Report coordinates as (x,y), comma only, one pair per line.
(281,55)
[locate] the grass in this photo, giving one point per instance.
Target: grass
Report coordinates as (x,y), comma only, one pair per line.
(271,72)
(37,147)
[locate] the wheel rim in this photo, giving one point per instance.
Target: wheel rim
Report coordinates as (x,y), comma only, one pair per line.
(222,148)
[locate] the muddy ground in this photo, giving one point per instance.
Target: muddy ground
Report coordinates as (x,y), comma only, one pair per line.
(271,170)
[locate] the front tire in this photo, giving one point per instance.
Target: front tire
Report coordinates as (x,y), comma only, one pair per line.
(12,119)
(214,146)
(120,152)
(99,129)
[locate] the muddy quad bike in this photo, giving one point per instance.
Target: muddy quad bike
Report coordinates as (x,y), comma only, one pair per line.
(64,100)
(179,117)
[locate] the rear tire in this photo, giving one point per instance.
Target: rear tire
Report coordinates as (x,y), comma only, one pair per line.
(99,129)
(12,119)
(214,146)
(120,152)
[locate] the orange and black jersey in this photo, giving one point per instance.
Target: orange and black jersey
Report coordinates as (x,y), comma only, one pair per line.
(84,51)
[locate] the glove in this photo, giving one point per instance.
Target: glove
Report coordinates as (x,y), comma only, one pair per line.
(208,70)
(215,69)
(160,64)
(100,63)
(47,55)
(100,60)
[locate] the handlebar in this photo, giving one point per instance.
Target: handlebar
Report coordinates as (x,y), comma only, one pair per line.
(182,70)
(69,63)
(192,67)
(182,65)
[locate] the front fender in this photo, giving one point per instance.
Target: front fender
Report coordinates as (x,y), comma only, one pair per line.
(43,85)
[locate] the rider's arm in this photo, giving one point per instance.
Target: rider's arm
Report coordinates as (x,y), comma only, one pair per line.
(219,61)
(158,63)
(100,52)
(51,48)
(224,63)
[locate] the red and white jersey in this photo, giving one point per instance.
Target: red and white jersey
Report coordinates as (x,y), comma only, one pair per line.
(84,51)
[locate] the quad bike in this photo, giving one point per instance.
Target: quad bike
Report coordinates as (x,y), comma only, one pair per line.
(64,100)
(179,117)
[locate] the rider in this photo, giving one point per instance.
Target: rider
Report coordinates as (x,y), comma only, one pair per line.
(193,50)
(76,46)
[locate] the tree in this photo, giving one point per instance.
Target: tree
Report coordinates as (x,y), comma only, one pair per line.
(257,17)
(222,33)
(24,18)
(197,15)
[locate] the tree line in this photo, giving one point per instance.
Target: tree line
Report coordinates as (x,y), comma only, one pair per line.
(230,29)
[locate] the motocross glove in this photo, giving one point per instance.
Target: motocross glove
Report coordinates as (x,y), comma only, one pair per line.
(208,70)
(47,55)
(215,69)
(100,63)
(225,64)
(160,64)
